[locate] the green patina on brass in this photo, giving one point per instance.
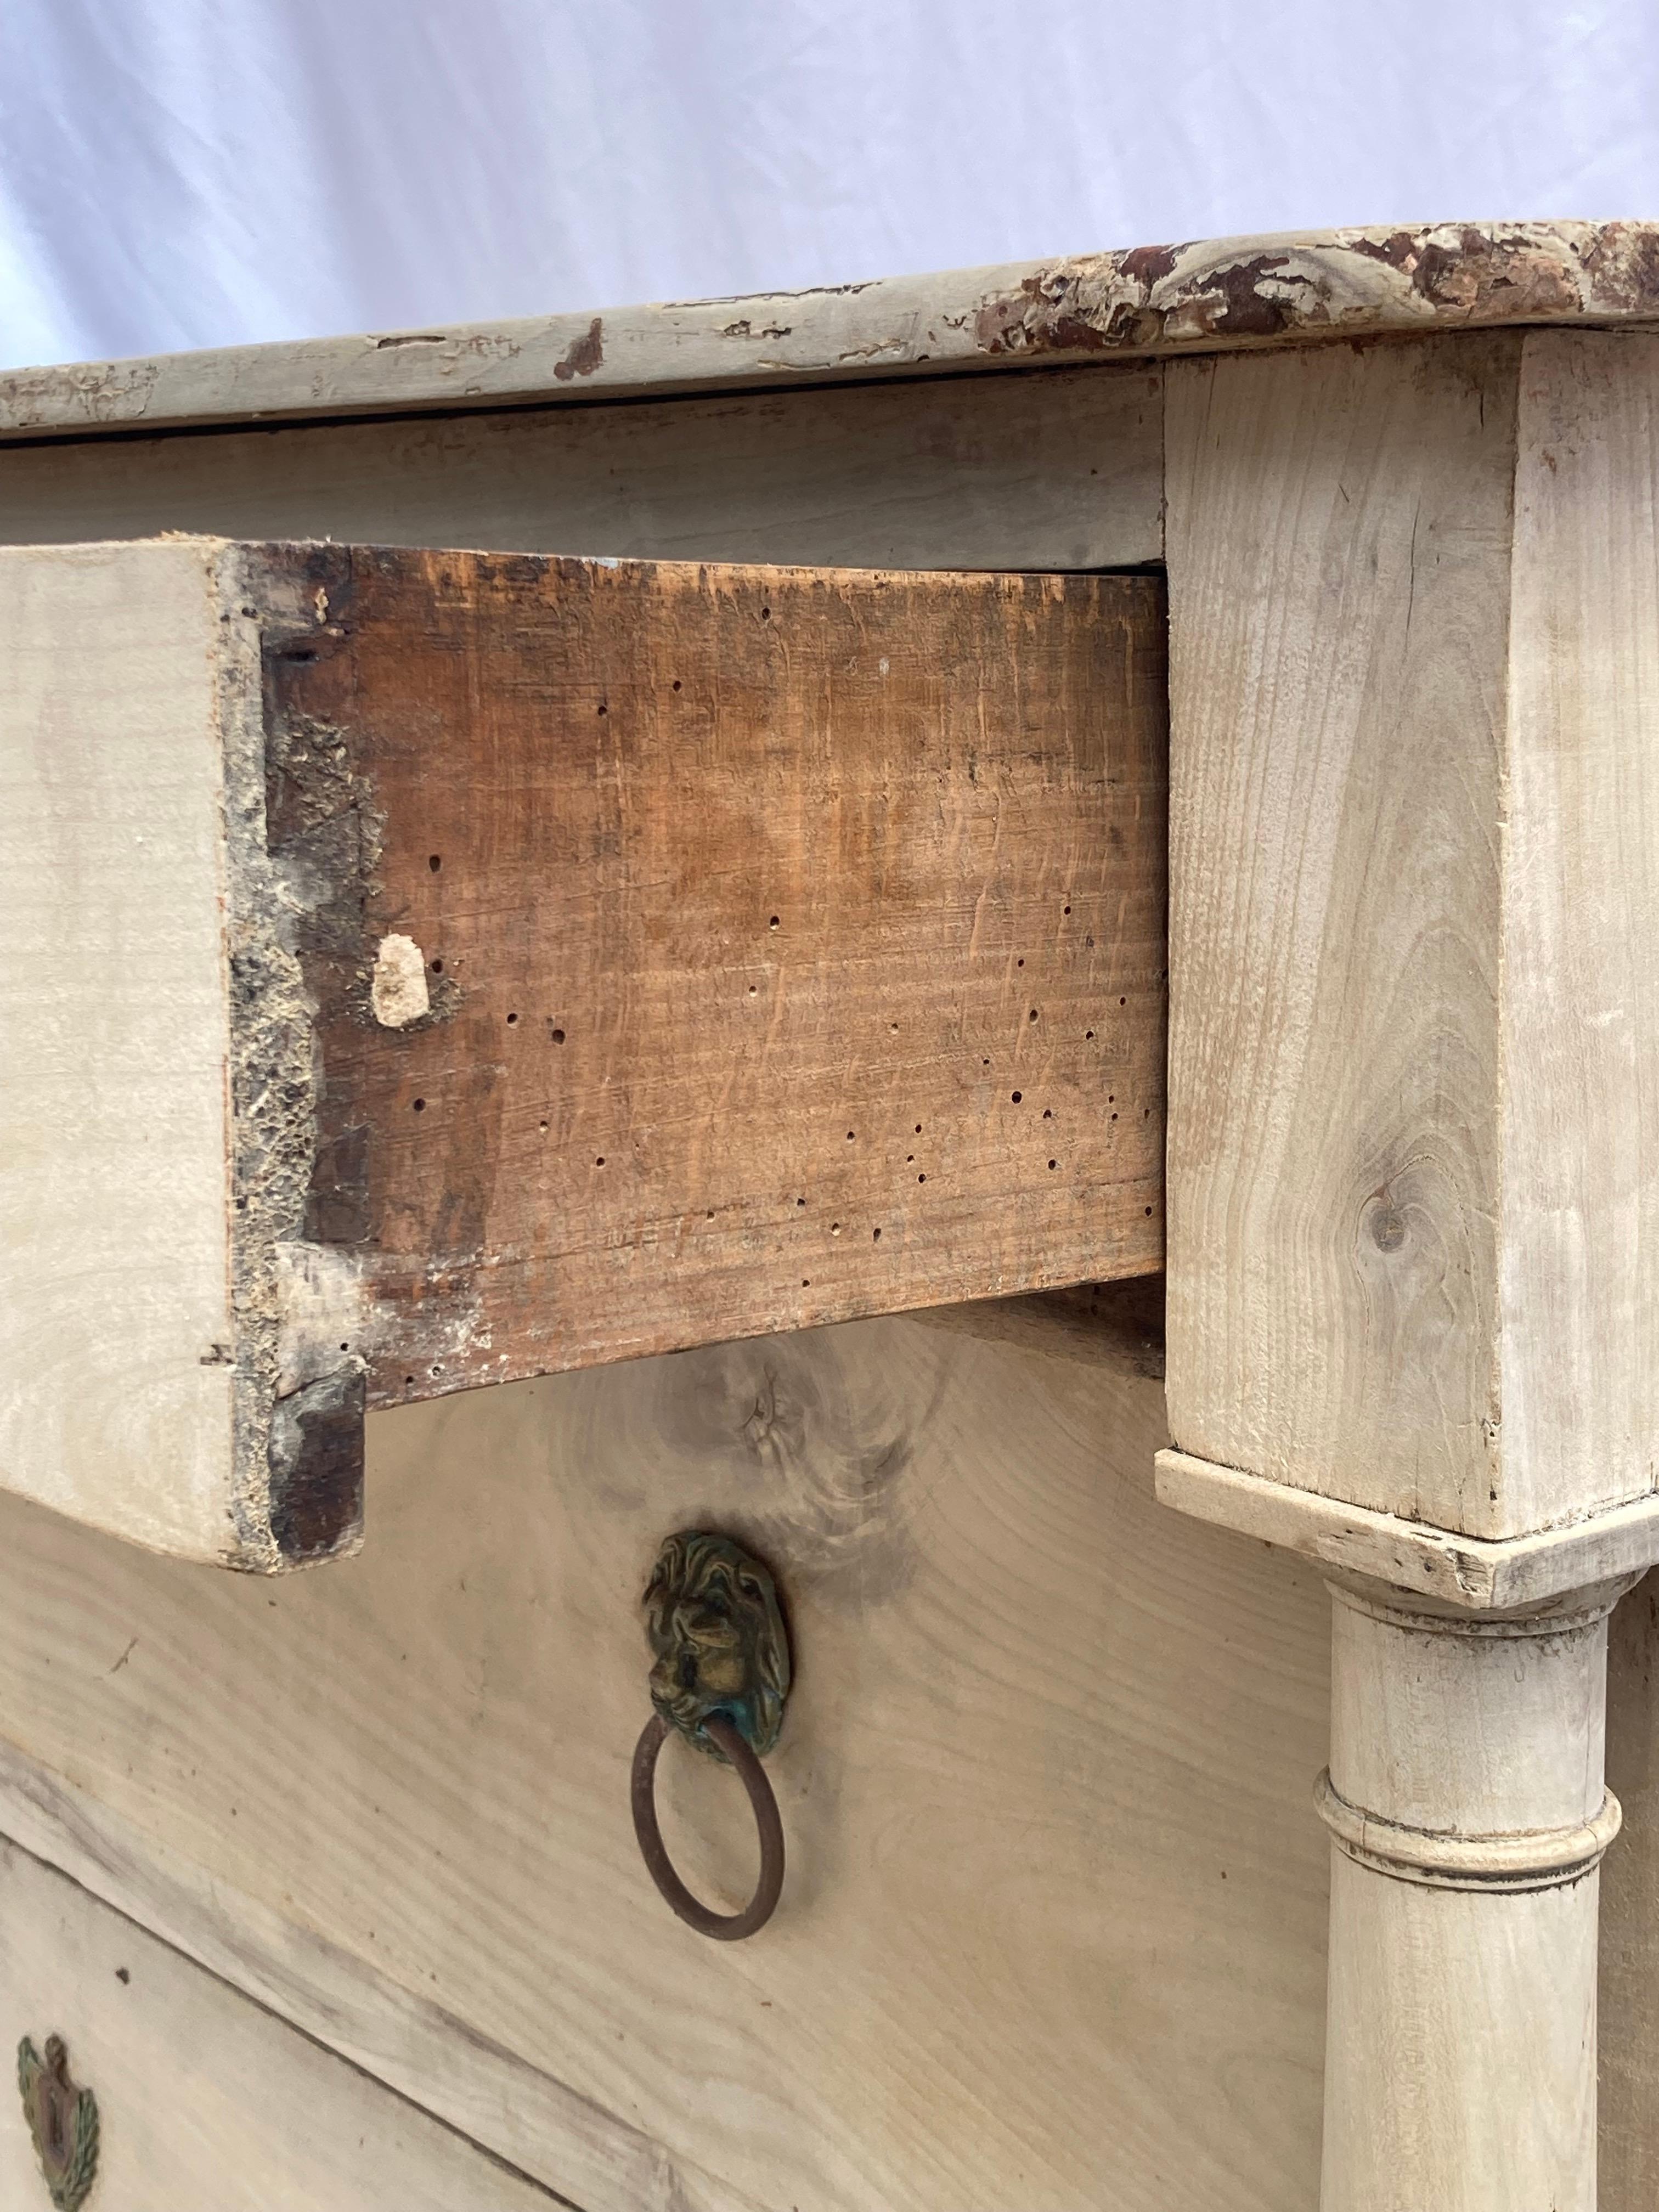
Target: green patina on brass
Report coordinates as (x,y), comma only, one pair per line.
(718,1639)
(62,2122)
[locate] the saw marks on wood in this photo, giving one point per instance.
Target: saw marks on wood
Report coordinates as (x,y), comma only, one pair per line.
(793,939)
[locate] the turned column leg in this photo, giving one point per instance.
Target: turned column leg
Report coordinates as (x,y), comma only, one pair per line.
(1468,1816)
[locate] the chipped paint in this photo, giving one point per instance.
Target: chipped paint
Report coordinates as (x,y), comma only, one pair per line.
(1147,301)
(398,989)
(1345,283)
(85,395)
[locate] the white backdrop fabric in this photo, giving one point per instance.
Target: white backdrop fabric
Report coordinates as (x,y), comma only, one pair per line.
(193,173)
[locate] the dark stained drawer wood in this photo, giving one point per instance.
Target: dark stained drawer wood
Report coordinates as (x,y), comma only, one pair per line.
(794,944)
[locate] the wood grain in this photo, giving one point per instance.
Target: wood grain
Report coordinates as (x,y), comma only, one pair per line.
(1413,1089)
(1339,547)
(1428,1981)
(1473,1574)
(1052,1935)
(397,2035)
(1629,1979)
(1579,1282)
(794,942)
(1414,857)
(115,1323)
(1468,1815)
(1057,471)
(206,2103)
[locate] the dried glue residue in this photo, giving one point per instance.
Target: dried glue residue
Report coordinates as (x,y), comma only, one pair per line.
(398,993)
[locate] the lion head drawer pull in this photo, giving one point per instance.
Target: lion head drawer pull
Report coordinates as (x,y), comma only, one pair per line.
(719,1680)
(63,2121)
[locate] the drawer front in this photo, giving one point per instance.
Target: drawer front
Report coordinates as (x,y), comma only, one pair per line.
(204,2102)
(1051,1937)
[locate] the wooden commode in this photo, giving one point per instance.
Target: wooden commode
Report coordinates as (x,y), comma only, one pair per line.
(960,969)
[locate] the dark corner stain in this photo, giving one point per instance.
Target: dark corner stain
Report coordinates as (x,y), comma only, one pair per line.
(337,1204)
(582,356)
(315,1460)
(306,624)
(320,812)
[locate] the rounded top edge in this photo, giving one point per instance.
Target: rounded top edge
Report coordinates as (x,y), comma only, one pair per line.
(1142,303)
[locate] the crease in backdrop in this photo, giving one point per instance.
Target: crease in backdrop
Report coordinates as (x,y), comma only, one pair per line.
(194,172)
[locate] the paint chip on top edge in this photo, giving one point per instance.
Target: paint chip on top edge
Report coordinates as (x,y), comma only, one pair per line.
(398,991)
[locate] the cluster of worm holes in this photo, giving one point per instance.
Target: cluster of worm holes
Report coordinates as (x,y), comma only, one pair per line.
(774,922)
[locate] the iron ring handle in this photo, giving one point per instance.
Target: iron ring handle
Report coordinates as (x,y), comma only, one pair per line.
(724,1926)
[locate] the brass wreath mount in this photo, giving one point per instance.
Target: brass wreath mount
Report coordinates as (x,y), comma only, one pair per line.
(63,2121)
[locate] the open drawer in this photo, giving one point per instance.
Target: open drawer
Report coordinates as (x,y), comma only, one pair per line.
(428,968)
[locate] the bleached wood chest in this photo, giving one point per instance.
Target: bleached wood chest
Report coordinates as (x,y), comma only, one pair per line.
(746,918)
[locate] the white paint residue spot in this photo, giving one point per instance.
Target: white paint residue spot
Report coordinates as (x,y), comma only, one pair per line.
(398,991)
(884,664)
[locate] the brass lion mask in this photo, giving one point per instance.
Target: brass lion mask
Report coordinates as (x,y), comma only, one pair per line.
(718,1639)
